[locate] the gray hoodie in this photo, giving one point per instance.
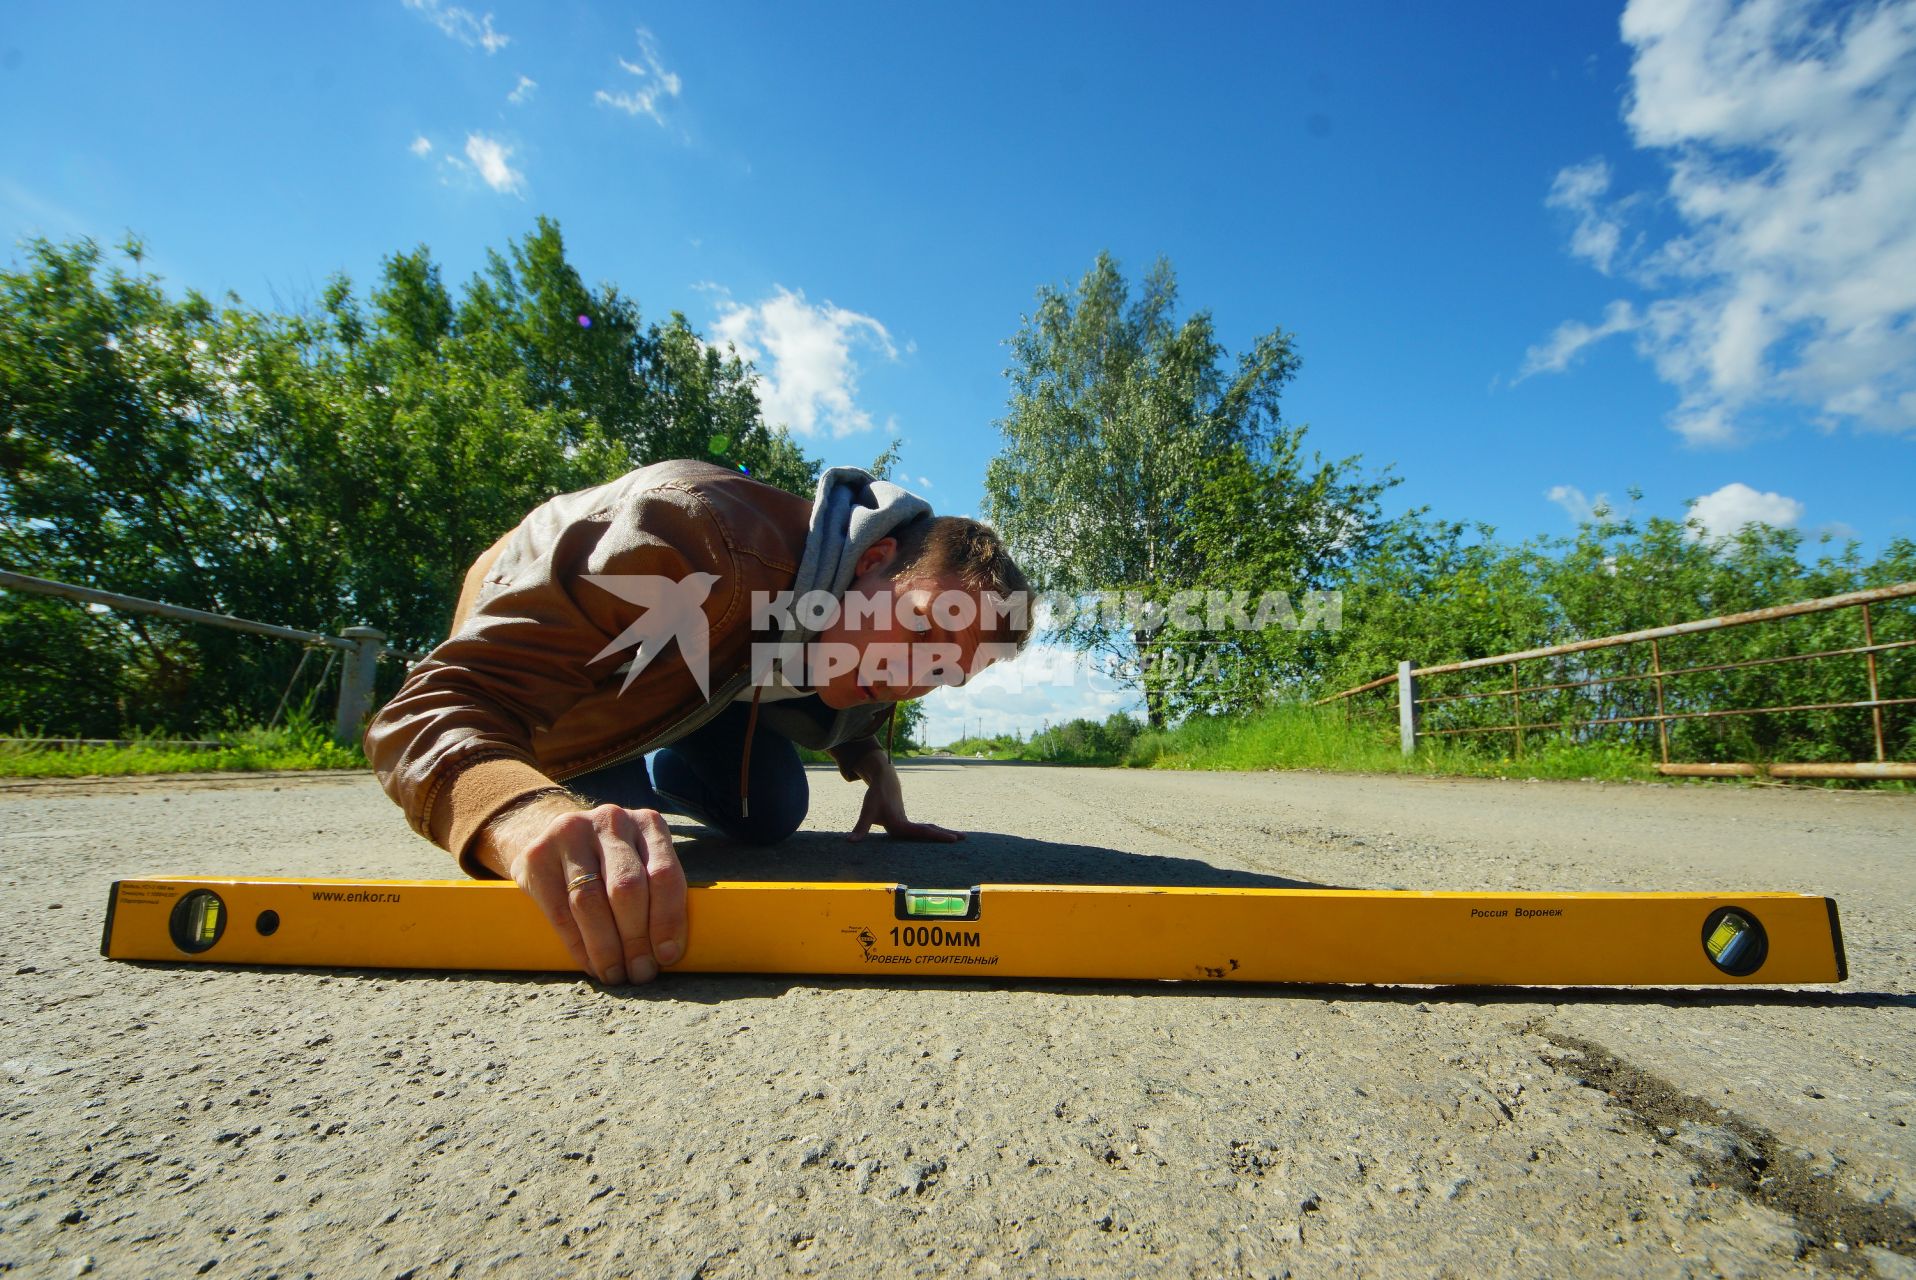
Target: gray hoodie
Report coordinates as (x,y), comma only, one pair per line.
(850,512)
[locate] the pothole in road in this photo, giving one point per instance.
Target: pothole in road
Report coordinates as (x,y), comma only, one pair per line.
(1741,1156)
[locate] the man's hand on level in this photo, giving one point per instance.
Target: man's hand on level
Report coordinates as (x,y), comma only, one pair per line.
(885,805)
(607,879)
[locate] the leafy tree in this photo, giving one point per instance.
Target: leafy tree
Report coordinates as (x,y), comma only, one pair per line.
(909,732)
(658,393)
(340,465)
(885,463)
(44,644)
(581,353)
(702,404)
(131,462)
(1282,533)
(1084,741)
(1437,593)
(1124,434)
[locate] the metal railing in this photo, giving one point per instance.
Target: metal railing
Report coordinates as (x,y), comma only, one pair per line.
(179,744)
(363,647)
(1411,703)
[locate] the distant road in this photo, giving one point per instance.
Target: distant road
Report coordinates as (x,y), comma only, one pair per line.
(163,1121)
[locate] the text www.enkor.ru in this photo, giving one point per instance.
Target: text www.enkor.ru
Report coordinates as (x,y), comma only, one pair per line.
(333,895)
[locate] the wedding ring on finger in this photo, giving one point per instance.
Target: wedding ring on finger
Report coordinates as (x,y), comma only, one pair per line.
(580,881)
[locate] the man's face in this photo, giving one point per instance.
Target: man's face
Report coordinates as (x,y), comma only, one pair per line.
(909,637)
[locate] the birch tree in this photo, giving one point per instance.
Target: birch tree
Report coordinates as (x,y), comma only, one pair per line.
(1116,404)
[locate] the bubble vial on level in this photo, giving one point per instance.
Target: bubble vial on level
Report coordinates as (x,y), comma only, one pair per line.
(197,921)
(938,905)
(1735,942)
(206,923)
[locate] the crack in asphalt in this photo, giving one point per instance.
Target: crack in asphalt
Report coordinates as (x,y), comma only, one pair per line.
(1741,1156)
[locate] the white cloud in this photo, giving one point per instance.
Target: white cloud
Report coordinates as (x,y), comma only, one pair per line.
(924,482)
(1046,682)
(803,355)
(1575,505)
(491,158)
(1580,189)
(1722,513)
(523,92)
(1572,336)
(461,25)
(654,83)
(1788,131)
(421,146)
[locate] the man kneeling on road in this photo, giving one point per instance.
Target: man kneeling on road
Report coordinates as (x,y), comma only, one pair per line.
(659,643)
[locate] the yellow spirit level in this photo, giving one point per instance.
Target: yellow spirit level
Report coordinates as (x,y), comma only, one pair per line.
(1016,931)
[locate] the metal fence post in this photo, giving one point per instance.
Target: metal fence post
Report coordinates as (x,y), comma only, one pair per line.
(1875,698)
(356,681)
(1663,725)
(1516,714)
(1407,708)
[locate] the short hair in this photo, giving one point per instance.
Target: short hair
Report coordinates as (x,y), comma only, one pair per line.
(934,546)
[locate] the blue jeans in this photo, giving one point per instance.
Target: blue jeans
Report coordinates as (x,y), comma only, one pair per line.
(697,777)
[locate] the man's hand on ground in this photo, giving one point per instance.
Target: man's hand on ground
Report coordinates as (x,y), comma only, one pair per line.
(627,918)
(885,805)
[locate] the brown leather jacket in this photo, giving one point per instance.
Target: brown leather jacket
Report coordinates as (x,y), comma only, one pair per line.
(513,700)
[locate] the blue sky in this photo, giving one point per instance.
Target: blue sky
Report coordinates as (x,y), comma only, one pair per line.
(1530,254)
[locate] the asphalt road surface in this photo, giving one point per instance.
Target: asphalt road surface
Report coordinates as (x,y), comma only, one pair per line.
(168,1121)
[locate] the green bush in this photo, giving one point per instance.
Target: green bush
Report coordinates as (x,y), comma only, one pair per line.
(299,744)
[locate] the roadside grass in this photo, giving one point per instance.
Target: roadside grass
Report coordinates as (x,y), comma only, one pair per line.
(300,745)
(1304,737)
(1292,737)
